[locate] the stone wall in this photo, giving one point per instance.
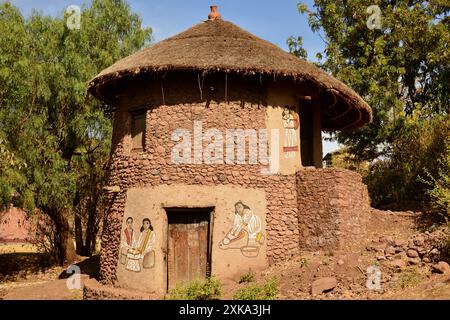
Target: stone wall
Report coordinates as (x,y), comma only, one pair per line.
(154,167)
(310,209)
(333,208)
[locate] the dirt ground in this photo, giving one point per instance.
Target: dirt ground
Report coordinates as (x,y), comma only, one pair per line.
(25,274)
(28,275)
(349,266)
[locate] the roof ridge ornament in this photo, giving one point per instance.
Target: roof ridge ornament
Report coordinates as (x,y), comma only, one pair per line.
(214,15)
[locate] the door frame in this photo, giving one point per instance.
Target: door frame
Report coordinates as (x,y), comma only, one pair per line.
(210,213)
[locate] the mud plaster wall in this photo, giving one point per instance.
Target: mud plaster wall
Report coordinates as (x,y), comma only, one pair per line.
(333,208)
(279,95)
(151,203)
(245,109)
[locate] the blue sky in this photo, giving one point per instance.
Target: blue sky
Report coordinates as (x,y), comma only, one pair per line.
(271,20)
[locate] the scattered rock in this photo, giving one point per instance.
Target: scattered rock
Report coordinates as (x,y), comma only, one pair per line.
(340,262)
(414,261)
(381,258)
(401,256)
(323,285)
(398,263)
(412,253)
(388,240)
(434,252)
(441,267)
(390,250)
(371,249)
(419,241)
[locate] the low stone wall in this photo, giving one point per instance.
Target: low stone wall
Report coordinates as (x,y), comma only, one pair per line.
(333,208)
(93,290)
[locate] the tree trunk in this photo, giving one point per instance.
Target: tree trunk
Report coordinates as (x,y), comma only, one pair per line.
(78,226)
(91,231)
(78,234)
(64,249)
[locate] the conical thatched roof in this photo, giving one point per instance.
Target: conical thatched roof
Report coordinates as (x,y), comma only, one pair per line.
(218,45)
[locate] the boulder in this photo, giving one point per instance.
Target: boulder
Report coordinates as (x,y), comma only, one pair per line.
(412,253)
(323,285)
(441,267)
(398,263)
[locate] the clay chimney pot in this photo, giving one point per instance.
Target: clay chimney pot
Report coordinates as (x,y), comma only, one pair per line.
(214,15)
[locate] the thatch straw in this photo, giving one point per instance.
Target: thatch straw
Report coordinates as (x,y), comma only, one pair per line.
(222,46)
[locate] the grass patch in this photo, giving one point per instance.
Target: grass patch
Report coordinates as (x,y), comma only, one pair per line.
(410,277)
(329,253)
(265,291)
(247,277)
(304,262)
(209,289)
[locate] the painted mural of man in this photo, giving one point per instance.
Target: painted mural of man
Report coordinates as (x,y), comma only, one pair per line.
(128,240)
(246,223)
(129,233)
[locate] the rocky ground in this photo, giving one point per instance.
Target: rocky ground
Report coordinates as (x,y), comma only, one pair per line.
(401,250)
(401,258)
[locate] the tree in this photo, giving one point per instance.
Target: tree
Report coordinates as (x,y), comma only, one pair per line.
(400,67)
(47,119)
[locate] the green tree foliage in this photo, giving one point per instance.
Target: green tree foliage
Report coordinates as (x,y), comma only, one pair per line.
(400,69)
(48,122)
(296,47)
(416,165)
(439,191)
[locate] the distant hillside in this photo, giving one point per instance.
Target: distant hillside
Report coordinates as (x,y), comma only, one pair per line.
(15,226)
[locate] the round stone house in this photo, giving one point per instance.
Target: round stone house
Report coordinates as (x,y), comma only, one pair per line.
(216,157)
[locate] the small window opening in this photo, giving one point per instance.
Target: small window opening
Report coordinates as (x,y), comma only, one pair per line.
(138,121)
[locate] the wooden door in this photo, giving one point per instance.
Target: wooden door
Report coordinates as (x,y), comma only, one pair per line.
(188,247)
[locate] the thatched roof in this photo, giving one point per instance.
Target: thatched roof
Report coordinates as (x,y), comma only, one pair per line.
(218,45)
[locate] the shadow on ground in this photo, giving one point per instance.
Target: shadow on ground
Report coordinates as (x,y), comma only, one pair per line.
(89,266)
(16,265)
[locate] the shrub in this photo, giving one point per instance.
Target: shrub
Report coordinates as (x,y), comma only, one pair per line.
(439,191)
(247,277)
(209,289)
(265,291)
(395,182)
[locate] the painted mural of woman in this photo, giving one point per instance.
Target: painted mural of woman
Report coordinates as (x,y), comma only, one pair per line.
(246,224)
(143,249)
(291,124)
